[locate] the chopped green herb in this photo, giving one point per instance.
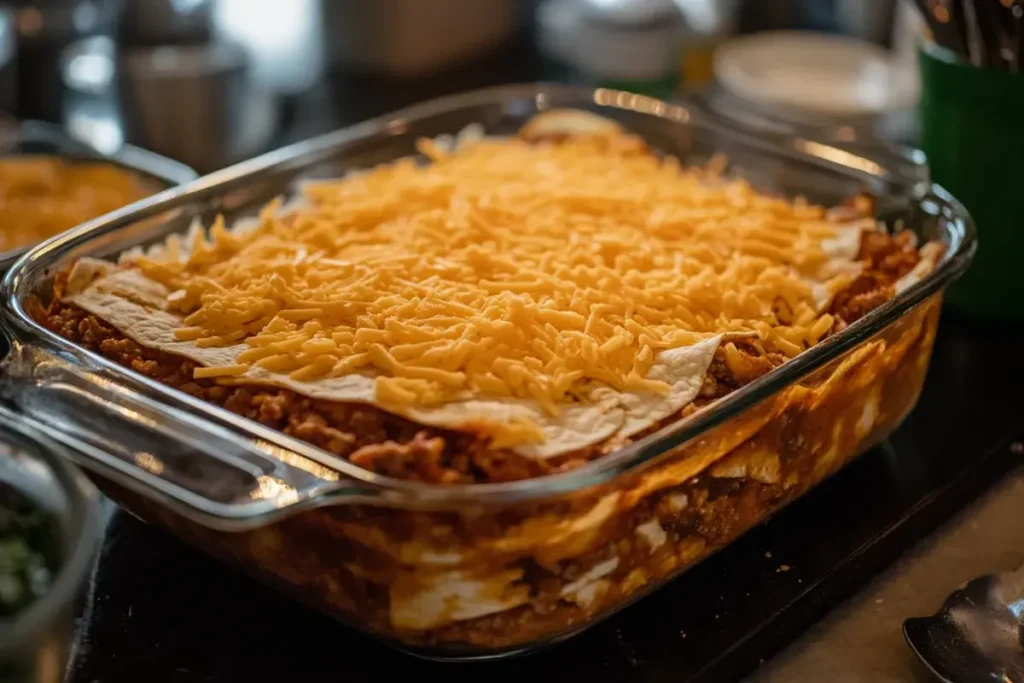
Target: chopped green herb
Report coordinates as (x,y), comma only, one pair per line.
(28,551)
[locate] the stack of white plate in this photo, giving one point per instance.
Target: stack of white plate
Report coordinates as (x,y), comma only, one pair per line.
(819,78)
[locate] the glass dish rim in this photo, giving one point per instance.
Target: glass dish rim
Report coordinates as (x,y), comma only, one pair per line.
(388,491)
(129,157)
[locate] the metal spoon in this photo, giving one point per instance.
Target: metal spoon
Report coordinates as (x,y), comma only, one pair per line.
(978,635)
(996,32)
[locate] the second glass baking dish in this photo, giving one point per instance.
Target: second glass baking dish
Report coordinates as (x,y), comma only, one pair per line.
(482,570)
(45,140)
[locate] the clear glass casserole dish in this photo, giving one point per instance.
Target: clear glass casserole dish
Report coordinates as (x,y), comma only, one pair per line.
(483,570)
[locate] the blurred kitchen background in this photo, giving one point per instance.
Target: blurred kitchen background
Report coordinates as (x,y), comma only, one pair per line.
(210,82)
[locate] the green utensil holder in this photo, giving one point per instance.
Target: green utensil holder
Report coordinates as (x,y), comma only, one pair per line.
(972,131)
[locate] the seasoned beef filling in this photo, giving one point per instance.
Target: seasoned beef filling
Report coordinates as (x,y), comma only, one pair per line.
(886,259)
(390,445)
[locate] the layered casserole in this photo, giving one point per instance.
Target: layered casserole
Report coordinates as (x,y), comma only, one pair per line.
(502,309)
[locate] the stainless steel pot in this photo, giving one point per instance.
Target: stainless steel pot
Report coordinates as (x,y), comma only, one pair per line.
(195,103)
(412,37)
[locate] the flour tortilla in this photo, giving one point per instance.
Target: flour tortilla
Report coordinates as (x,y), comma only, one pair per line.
(682,368)
(930,255)
(425,600)
(565,122)
(845,246)
(136,306)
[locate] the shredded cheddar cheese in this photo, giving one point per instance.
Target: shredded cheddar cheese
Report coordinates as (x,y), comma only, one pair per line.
(503,269)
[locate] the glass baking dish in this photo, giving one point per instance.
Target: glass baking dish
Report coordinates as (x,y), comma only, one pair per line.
(485,570)
(37,138)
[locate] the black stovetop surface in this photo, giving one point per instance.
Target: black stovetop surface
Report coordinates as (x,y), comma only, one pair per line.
(161,612)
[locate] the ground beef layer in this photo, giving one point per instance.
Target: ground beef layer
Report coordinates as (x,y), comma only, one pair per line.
(390,445)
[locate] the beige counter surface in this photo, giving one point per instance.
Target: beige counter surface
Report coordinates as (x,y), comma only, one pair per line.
(862,639)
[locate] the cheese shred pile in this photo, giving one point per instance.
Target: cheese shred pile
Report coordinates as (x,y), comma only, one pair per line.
(502,268)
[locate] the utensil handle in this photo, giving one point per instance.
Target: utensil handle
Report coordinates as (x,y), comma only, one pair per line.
(199,469)
(938,16)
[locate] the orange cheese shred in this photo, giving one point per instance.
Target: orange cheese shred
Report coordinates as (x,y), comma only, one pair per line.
(502,268)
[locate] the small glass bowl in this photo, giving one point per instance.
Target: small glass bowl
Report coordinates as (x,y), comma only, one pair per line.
(36,641)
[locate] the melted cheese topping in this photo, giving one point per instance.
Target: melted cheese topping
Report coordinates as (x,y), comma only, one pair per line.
(503,269)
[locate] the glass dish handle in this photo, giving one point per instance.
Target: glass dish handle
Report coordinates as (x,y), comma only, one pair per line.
(909,164)
(198,469)
(824,141)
